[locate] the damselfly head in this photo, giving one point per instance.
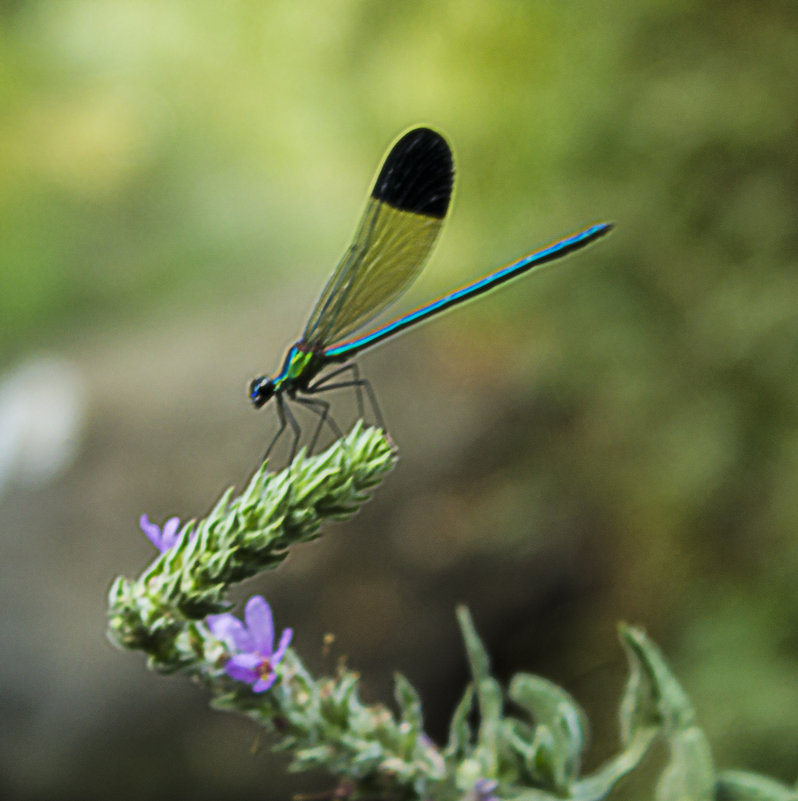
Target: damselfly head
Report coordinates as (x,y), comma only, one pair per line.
(261,390)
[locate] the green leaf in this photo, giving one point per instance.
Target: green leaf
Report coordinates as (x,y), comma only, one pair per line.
(460,734)
(488,692)
(489,696)
(600,783)
(339,698)
(533,795)
(653,697)
(690,773)
(409,704)
(738,785)
(477,655)
(559,724)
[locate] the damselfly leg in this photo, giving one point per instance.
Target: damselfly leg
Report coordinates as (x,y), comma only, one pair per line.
(356,381)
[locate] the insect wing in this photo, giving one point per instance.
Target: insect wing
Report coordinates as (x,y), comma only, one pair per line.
(400,226)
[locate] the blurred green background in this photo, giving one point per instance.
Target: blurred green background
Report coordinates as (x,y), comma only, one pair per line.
(614,439)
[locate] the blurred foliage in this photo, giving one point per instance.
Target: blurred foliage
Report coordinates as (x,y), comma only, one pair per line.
(640,403)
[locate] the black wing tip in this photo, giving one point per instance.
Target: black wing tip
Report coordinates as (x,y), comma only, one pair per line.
(417,174)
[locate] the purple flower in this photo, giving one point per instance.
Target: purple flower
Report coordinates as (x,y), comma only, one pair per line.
(253,657)
(162,538)
(484,789)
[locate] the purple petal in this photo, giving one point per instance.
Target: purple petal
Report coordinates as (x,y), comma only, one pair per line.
(151,531)
(242,640)
(285,640)
(258,615)
(247,661)
(232,632)
(169,532)
(241,672)
(162,538)
(225,627)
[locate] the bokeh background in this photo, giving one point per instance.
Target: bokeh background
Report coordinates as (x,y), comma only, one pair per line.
(612,440)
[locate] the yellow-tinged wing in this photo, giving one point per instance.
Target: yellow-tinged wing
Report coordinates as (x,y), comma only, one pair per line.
(400,226)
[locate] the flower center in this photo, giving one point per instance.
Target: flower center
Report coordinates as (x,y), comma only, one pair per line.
(265,669)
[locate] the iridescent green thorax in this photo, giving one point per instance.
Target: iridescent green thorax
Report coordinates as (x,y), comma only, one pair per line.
(301,364)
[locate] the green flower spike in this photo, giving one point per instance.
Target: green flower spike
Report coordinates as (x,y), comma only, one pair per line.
(241,537)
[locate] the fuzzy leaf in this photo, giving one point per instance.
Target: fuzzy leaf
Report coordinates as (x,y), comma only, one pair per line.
(489,696)
(460,734)
(690,773)
(600,783)
(653,697)
(555,712)
(411,717)
(738,785)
